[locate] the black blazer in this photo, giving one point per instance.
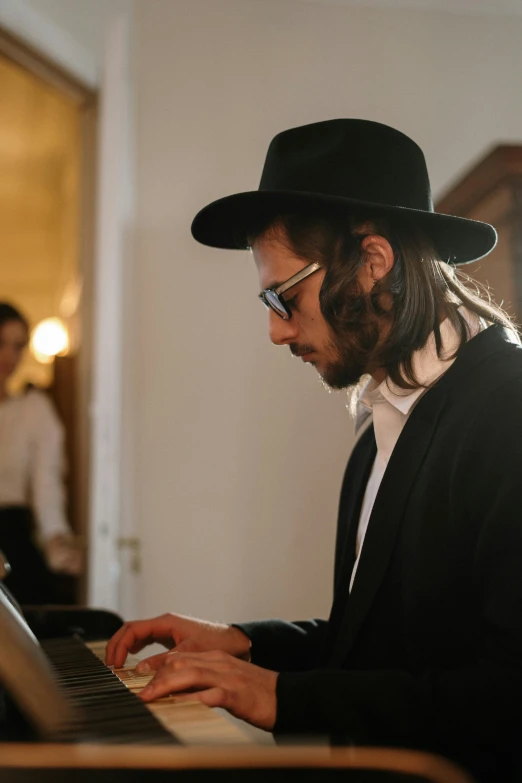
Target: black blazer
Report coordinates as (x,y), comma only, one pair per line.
(426,651)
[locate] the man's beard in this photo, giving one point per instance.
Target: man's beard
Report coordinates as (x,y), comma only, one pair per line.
(343,373)
(354,356)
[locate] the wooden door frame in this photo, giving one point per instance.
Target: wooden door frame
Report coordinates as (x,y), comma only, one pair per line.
(86,100)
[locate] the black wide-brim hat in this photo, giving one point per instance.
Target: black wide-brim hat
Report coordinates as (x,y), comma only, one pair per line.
(356,166)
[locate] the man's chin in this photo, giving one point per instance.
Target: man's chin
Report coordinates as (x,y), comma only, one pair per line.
(338,377)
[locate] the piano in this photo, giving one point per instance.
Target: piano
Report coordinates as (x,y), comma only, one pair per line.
(59,689)
(67,717)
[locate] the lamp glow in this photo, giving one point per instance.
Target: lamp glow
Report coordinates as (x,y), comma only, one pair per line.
(50,338)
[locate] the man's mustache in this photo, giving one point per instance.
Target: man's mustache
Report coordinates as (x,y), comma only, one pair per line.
(299,350)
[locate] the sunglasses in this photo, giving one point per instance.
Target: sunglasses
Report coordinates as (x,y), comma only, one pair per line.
(271,297)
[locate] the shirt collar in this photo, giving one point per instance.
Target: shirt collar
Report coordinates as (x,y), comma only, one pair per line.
(427,368)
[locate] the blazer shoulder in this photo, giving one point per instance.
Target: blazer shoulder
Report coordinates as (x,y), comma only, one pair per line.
(488,363)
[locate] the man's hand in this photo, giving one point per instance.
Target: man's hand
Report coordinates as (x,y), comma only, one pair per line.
(186,634)
(218,680)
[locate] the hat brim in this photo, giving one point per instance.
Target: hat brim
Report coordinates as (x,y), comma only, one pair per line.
(227,222)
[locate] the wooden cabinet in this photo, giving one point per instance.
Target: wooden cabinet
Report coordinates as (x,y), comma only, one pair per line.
(492,192)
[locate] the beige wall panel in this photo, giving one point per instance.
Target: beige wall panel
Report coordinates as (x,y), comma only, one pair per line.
(239,451)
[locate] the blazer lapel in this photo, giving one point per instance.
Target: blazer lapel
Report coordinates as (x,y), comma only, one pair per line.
(358,470)
(404,464)
(384,523)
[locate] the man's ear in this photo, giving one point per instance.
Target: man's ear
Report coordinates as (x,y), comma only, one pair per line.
(378,260)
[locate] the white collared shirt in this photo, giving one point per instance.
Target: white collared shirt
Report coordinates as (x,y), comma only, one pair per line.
(32,461)
(391,407)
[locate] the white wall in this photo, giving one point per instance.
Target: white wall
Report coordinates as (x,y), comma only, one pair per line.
(240,451)
(70,32)
(232,453)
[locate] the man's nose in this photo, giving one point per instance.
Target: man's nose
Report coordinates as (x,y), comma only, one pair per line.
(281,331)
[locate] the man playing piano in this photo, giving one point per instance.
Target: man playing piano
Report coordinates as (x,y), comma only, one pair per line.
(423,646)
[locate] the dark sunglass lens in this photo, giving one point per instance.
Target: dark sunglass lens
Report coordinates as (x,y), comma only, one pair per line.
(276,304)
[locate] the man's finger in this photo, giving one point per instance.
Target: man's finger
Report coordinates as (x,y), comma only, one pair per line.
(136,635)
(153,662)
(215,657)
(187,646)
(167,681)
(114,644)
(133,637)
(111,646)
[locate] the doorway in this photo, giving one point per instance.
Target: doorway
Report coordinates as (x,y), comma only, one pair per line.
(47,164)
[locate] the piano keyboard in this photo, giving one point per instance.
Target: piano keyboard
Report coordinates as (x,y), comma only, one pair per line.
(107,711)
(104,710)
(191,722)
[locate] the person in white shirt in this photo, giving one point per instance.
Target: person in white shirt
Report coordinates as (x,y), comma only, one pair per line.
(35,536)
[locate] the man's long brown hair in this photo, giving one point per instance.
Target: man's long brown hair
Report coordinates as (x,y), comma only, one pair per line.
(418,293)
